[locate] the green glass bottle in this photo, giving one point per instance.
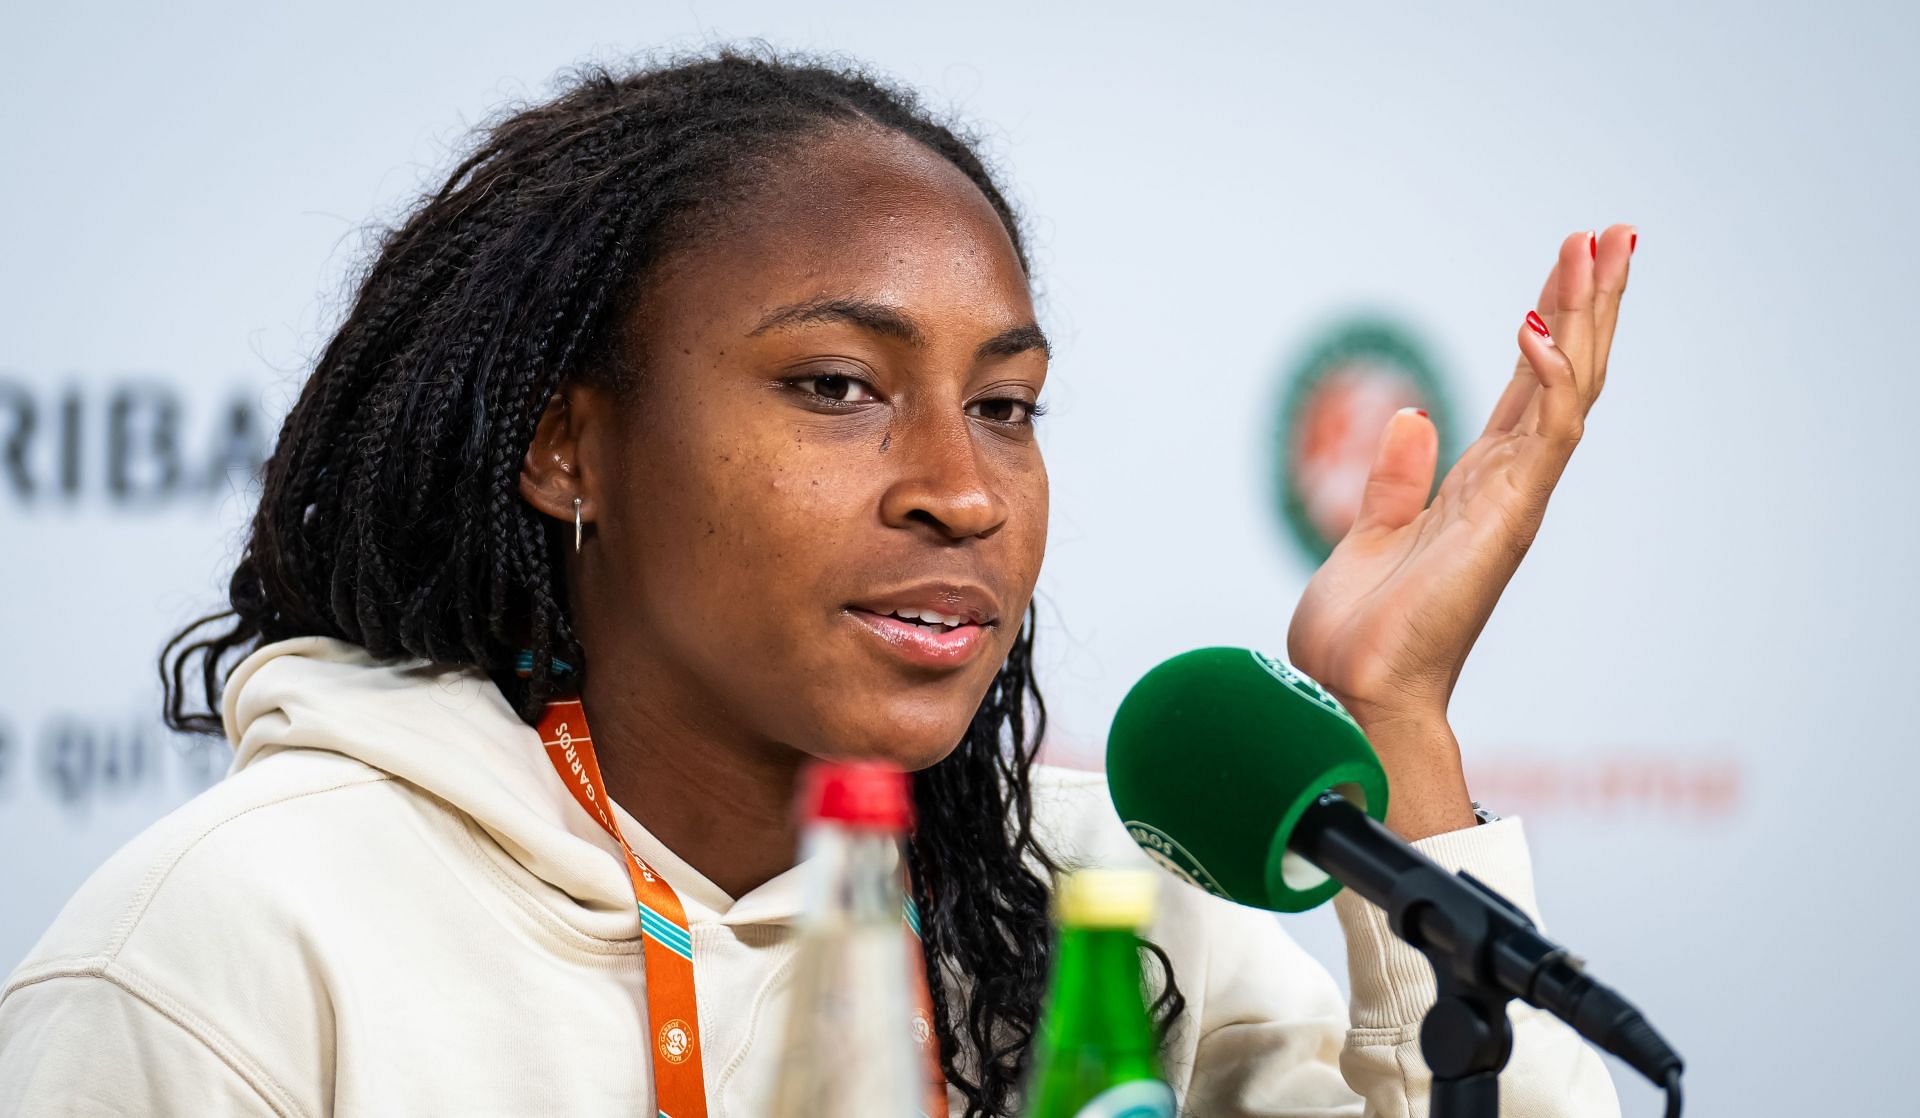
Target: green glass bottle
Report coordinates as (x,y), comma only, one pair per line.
(1097,1054)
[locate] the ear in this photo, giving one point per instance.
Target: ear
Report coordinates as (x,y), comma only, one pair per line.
(555,473)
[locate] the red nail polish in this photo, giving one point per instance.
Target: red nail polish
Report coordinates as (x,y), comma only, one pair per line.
(1538,325)
(1593,246)
(1422,411)
(1633,243)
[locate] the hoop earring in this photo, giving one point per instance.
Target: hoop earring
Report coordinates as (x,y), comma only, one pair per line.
(577,528)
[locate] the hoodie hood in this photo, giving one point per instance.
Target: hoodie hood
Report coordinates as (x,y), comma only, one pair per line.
(448,732)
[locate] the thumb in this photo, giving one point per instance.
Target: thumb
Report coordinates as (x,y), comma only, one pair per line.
(1402,473)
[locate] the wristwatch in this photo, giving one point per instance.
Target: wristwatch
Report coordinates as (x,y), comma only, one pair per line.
(1482,815)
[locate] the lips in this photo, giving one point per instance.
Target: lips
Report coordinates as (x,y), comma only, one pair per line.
(935,625)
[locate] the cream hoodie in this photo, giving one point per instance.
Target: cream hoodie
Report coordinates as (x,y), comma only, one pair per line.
(391,906)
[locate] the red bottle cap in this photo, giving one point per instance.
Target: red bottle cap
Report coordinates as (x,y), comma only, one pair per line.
(863,794)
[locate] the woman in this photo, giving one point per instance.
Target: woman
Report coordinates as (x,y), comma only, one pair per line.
(706,394)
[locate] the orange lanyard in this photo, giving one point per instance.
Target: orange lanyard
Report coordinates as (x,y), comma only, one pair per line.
(672,1013)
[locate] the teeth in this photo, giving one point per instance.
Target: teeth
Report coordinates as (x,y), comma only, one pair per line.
(930,617)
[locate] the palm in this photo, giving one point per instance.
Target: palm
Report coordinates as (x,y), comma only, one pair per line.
(1387,621)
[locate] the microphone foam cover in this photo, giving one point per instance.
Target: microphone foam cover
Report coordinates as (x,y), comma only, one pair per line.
(1214,756)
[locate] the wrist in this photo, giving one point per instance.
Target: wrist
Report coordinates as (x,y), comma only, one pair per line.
(1427,787)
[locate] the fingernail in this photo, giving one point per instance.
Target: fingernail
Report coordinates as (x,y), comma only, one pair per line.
(1422,411)
(1593,246)
(1538,325)
(1633,242)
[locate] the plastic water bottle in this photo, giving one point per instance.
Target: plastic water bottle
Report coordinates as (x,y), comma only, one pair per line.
(857,1043)
(1097,1052)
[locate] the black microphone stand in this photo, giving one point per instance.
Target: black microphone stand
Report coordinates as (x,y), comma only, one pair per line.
(1466,1041)
(1466,1037)
(1485,953)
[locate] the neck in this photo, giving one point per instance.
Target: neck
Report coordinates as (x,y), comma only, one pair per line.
(723,804)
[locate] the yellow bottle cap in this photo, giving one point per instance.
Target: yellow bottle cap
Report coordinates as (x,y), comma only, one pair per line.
(1106,898)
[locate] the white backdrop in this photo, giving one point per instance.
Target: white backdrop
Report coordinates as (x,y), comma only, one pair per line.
(1696,690)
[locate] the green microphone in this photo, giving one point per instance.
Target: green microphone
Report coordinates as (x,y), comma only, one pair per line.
(1242,776)
(1214,759)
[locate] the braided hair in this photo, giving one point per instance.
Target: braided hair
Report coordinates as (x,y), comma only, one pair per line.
(391,515)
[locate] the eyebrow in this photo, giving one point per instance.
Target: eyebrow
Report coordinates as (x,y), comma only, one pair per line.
(892,322)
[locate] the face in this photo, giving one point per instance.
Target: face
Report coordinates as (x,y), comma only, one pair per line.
(817,523)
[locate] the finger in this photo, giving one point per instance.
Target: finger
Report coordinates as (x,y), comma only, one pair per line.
(1513,402)
(1512,405)
(1402,473)
(1610,283)
(1561,408)
(1572,322)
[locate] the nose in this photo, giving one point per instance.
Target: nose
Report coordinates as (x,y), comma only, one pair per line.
(942,486)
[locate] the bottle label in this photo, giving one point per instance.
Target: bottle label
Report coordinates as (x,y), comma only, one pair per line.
(1143,1098)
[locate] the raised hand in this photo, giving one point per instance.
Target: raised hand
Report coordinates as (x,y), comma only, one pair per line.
(1388,620)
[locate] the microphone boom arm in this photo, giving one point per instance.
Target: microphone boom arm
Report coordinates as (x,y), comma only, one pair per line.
(1485,952)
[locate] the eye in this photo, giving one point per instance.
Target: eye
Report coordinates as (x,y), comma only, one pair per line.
(836,388)
(1006,409)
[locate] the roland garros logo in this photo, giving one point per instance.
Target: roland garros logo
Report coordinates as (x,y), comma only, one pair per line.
(1337,400)
(1302,683)
(1172,857)
(676,1041)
